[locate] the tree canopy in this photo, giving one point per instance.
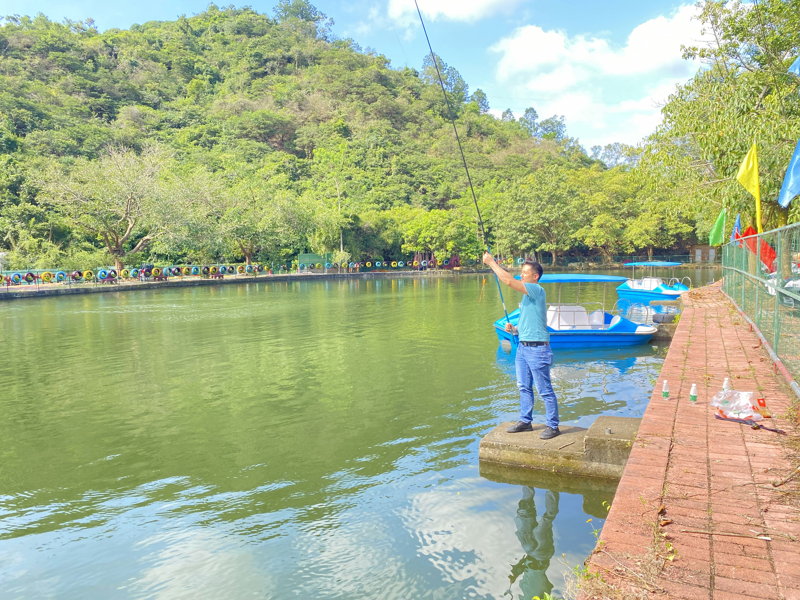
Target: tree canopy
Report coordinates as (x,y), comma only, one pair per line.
(744,95)
(235,136)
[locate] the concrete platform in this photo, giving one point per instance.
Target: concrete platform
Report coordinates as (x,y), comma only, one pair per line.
(600,451)
(665,333)
(666,330)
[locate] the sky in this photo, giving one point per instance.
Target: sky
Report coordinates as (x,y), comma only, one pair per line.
(606,67)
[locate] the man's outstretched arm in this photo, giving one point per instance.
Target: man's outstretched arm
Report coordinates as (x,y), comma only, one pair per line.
(502,274)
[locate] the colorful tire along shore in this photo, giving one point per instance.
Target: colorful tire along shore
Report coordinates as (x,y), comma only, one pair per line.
(390,264)
(152,272)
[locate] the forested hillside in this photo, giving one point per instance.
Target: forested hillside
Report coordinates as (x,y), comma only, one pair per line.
(237,136)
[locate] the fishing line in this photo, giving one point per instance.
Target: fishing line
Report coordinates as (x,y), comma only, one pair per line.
(451,117)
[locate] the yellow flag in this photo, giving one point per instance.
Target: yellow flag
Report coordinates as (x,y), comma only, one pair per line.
(748,177)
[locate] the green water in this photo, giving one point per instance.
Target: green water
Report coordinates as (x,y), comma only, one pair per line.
(303,439)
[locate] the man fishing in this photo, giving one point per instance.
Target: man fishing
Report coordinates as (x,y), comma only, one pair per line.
(534,355)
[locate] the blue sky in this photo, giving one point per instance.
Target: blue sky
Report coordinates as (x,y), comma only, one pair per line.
(607,67)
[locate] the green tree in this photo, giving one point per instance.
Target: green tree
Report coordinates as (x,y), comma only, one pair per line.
(552,128)
(118,199)
(440,233)
(656,217)
(530,121)
(273,121)
(304,12)
(479,98)
(616,155)
(744,96)
(332,192)
(274,225)
(540,213)
(606,198)
(456,89)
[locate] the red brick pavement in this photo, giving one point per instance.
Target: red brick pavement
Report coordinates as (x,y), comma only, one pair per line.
(696,496)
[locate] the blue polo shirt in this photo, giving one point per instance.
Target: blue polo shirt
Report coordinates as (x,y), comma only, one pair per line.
(532,326)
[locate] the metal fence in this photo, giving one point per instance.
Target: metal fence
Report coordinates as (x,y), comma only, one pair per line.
(762,277)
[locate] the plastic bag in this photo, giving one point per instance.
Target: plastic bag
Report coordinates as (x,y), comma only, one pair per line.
(733,404)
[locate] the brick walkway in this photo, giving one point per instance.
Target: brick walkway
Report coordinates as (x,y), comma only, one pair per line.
(697,492)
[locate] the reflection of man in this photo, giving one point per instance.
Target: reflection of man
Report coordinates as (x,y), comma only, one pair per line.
(537,541)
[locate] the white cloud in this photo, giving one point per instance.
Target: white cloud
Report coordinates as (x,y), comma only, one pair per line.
(596,122)
(605,93)
(403,11)
(657,43)
(577,107)
(373,21)
(557,80)
(654,97)
(197,562)
(651,46)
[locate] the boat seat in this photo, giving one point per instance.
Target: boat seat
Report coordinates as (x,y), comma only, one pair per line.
(646,283)
(597,319)
(614,320)
(567,316)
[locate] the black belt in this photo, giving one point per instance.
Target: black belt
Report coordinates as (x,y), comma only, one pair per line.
(533,343)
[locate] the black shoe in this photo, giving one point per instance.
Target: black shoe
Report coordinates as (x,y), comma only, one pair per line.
(549,433)
(520,426)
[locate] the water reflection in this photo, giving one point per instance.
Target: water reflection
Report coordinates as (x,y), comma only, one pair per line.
(536,538)
(618,360)
(302,439)
(592,382)
(550,513)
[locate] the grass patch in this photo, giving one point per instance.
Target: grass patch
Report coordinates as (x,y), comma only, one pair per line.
(623,576)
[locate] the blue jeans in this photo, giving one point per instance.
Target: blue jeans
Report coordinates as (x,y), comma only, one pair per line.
(533,369)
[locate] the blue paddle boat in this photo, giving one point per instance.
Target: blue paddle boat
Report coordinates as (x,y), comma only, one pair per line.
(582,325)
(651,288)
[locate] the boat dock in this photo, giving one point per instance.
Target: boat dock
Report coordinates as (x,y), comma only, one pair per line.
(706,508)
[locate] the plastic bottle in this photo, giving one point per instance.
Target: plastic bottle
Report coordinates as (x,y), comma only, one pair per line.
(665,390)
(693,393)
(726,385)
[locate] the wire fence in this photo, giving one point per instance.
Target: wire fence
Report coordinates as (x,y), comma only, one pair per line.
(762,277)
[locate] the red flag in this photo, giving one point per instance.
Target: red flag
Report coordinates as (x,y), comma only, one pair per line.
(768,253)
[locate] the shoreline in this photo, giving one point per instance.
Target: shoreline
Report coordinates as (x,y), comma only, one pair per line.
(48,290)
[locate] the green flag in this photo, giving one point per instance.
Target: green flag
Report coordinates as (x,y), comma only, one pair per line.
(716,234)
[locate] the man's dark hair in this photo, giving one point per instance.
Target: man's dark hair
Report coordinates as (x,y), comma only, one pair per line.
(535,266)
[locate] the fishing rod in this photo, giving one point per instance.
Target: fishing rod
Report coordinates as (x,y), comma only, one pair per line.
(452,119)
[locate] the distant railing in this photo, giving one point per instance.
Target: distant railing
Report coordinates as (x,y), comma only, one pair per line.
(762,277)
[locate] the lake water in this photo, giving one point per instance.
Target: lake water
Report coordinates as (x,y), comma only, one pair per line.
(303,439)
